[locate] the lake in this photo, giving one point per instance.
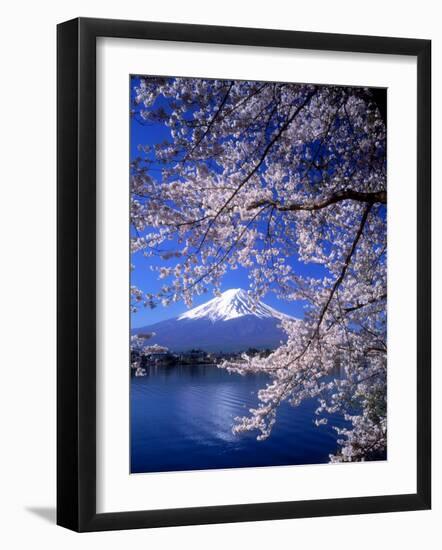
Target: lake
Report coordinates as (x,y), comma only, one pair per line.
(182,416)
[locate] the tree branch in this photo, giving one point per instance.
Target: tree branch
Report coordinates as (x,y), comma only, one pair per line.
(345,266)
(274,139)
(344,194)
(210,124)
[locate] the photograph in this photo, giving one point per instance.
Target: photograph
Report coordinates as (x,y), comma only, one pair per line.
(258,274)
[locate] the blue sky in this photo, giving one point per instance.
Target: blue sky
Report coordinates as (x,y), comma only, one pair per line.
(146,279)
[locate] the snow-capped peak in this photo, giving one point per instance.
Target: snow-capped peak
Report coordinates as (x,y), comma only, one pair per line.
(232,303)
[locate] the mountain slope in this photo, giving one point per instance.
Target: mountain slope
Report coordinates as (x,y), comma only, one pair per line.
(228,323)
(232,304)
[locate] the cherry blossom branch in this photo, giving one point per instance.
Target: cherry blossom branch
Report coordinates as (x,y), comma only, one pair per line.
(212,121)
(346,263)
(335,285)
(345,194)
(260,162)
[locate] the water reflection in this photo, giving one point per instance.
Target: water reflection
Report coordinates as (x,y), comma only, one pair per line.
(182,417)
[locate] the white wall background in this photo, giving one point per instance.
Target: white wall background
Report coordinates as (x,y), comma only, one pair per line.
(27,289)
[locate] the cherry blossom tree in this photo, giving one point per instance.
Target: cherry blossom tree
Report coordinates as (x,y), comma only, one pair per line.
(252,175)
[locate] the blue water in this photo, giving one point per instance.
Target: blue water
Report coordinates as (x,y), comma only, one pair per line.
(181,419)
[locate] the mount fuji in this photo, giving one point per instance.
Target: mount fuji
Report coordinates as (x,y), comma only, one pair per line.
(231,322)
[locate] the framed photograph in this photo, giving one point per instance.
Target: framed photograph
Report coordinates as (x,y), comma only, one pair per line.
(243,274)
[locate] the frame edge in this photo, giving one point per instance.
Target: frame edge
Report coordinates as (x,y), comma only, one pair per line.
(423,359)
(67,279)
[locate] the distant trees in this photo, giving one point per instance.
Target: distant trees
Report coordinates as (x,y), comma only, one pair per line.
(254,175)
(138,347)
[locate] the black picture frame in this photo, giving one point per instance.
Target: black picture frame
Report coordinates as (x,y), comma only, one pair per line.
(76,274)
